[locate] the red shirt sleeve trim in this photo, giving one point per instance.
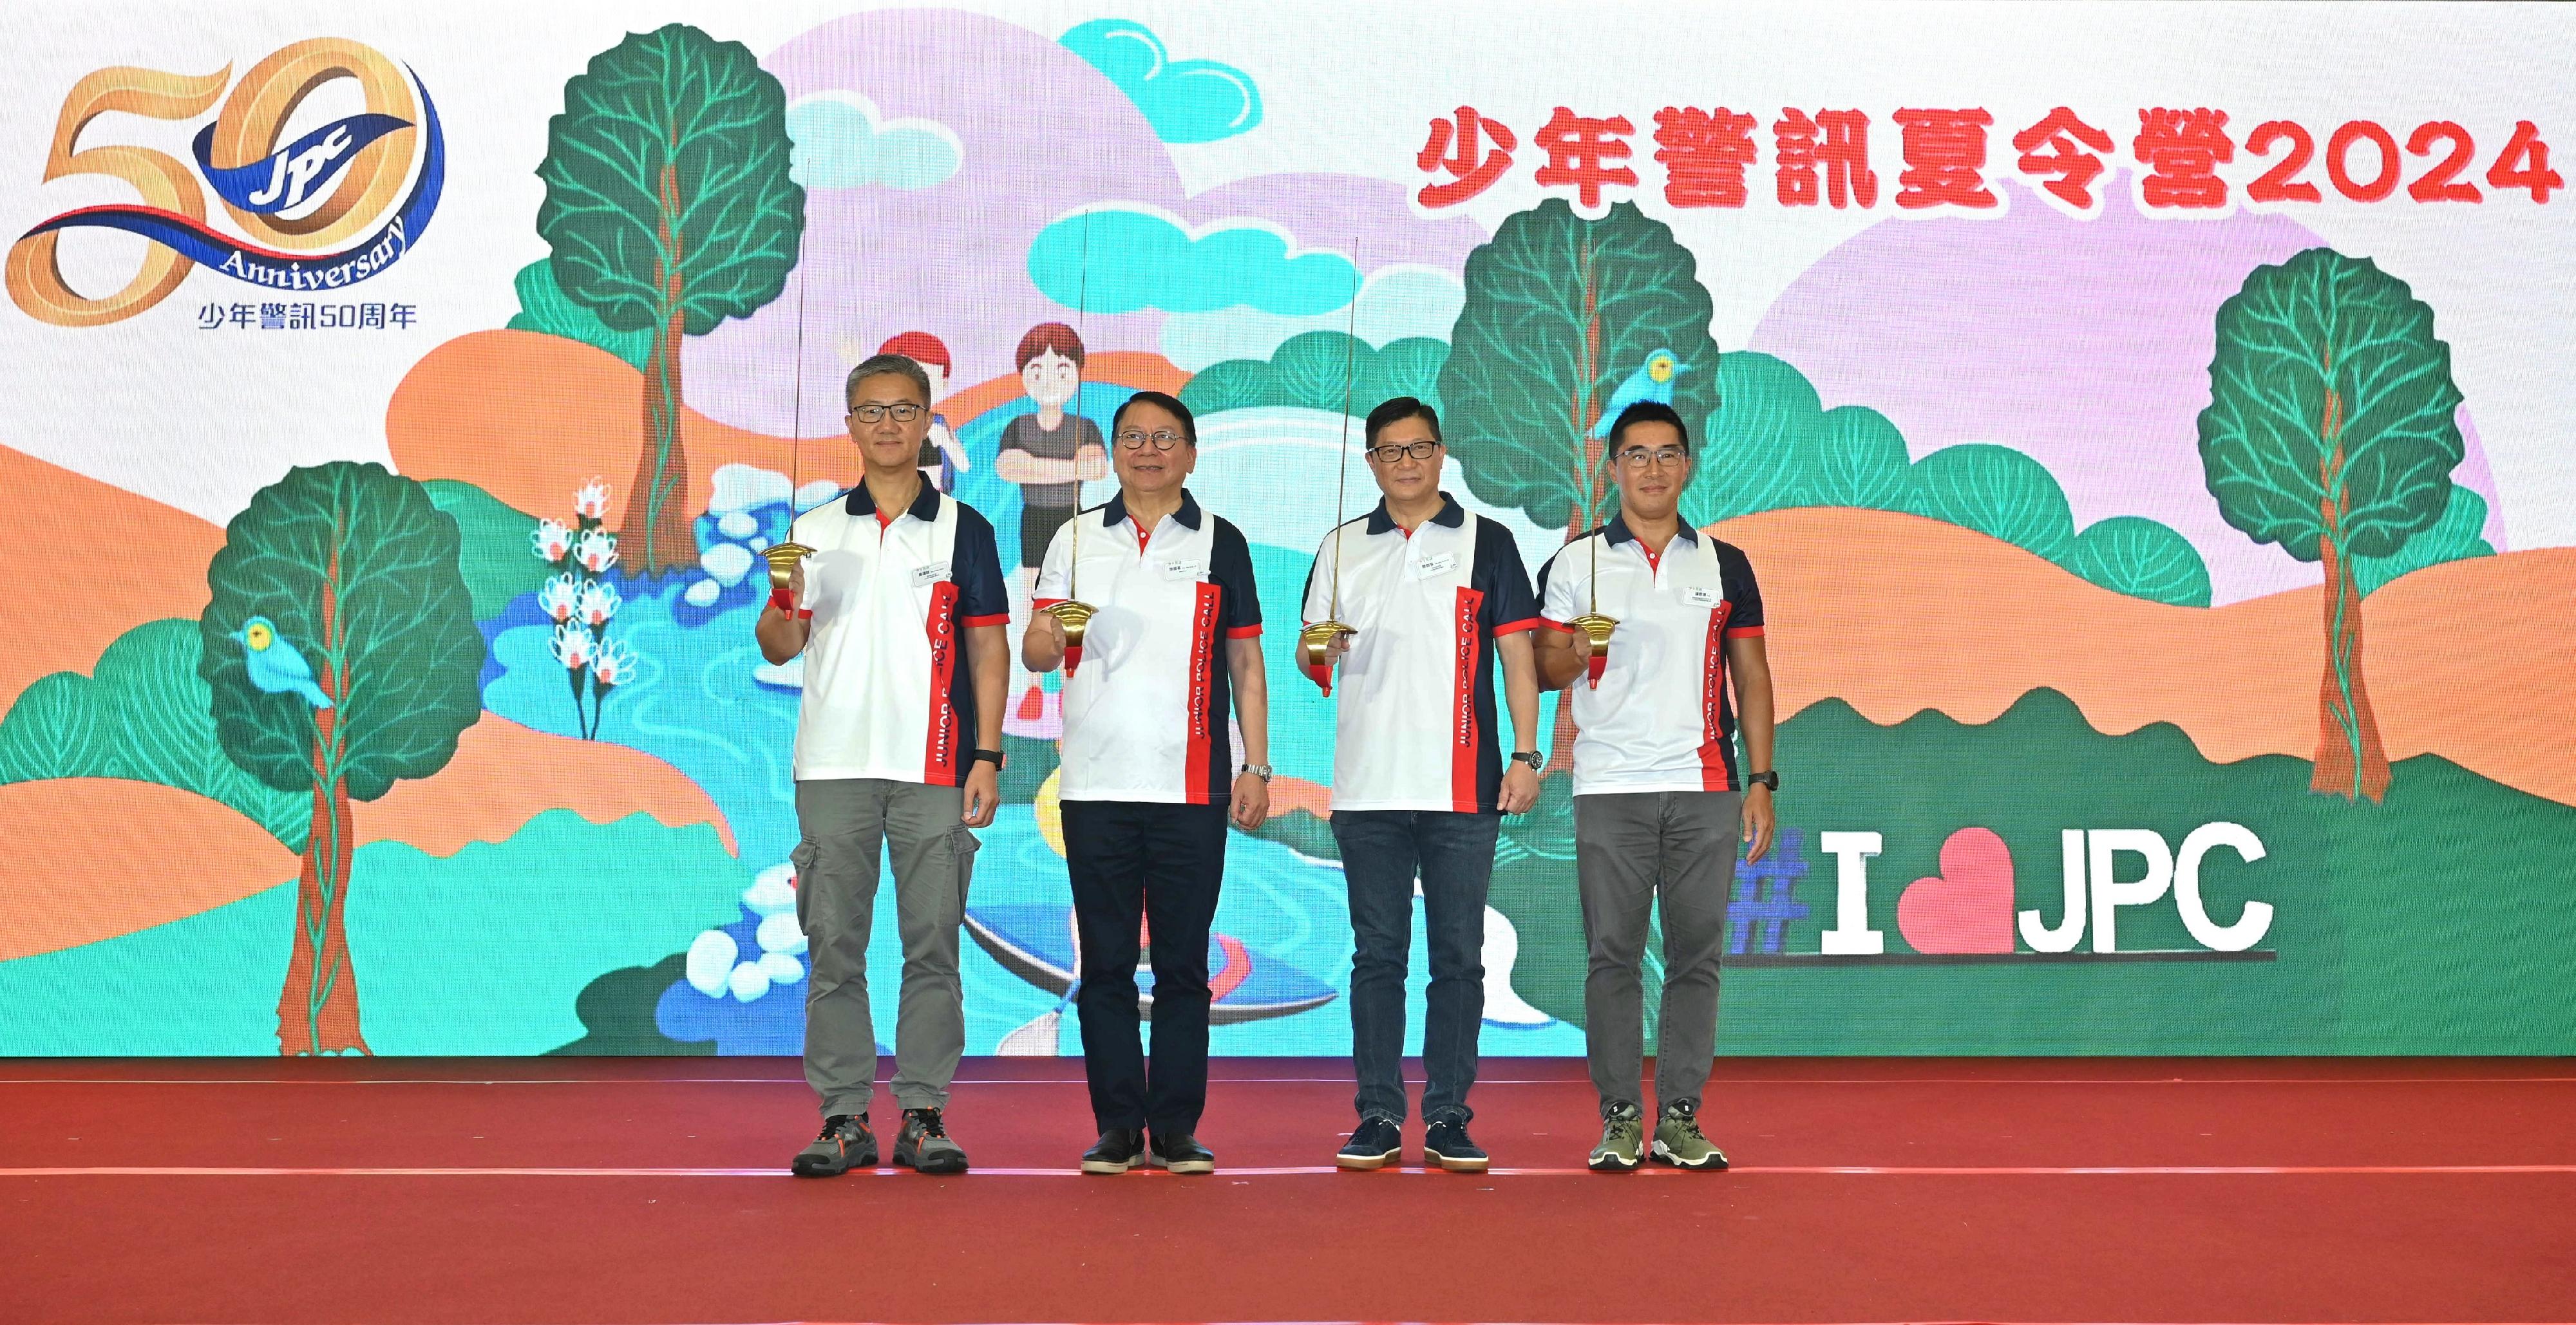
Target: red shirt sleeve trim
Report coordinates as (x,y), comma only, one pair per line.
(1243,632)
(996,619)
(1739,632)
(1042,604)
(1516,627)
(1560,627)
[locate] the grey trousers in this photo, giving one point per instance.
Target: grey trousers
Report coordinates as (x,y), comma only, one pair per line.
(1630,847)
(844,820)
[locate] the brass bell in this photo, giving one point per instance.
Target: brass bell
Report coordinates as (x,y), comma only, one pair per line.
(782,558)
(1315,642)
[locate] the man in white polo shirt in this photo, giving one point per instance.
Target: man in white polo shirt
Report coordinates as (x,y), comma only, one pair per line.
(902,619)
(1433,595)
(1660,800)
(1149,771)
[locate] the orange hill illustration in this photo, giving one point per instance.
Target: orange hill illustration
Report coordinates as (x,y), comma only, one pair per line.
(89,858)
(158,570)
(530,417)
(1895,614)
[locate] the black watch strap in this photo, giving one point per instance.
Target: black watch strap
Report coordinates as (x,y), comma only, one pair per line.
(1530,757)
(993,757)
(1768,779)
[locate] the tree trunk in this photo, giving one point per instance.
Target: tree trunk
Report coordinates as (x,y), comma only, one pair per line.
(2351,761)
(655,536)
(1592,481)
(317,1010)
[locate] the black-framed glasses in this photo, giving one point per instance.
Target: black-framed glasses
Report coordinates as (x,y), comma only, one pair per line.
(1164,439)
(1389,454)
(1638,457)
(903,413)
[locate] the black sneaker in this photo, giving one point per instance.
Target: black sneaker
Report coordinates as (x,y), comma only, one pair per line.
(1118,1150)
(1445,1143)
(1180,1154)
(924,1145)
(1375,1145)
(846,1144)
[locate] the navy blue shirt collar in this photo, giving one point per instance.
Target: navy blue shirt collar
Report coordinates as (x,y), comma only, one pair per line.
(1450,516)
(925,503)
(1619,533)
(1115,511)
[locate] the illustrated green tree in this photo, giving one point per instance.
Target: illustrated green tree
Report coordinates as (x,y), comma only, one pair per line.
(669,209)
(2332,431)
(354,570)
(1559,311)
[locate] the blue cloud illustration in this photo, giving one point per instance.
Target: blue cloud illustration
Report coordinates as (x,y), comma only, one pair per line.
(1140,259)
(840,142)
(1187,101)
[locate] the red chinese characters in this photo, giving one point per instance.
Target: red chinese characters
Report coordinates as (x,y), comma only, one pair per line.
(1578,150)
(2068,158)
(1945,158)
(1704,153)
(1843,152)
(1456,149)
(2181,150)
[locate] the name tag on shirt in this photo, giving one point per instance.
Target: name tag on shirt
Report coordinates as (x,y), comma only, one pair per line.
(1700,595)
(1439,565)
(930,574)
(1179,570)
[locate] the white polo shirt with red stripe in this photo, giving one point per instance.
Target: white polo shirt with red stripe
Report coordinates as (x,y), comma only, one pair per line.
(887,690)
(1661,717)
(1145,697)
(1414,720)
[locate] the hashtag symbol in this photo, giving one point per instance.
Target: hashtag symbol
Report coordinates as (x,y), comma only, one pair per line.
(1766,897)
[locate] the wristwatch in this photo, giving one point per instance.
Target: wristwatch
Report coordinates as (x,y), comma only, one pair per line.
(1771,780)
(993,757)
(1530,757)
(1261,771)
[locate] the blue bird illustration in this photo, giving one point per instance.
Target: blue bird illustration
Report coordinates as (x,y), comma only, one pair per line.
(1653,381)
(275,667)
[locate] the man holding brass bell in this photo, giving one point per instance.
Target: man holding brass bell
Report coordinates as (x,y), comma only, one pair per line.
(1427,598)
(1148,604)
(1650,617)
(893,595)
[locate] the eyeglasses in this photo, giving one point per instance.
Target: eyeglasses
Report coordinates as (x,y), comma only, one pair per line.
(1389,454)
(1134,439)
(1638,457)
(903,413)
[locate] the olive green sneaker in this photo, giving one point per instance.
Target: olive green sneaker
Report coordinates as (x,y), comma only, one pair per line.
(1623,1130)
(1678,1141)
(923,1145)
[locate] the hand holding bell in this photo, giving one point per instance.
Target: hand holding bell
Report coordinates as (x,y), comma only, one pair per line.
(1317,643)
(1596,630)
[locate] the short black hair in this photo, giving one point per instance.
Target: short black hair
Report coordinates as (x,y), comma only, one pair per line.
(1169,404)
(887,365)
(1397,411)
(1649,411)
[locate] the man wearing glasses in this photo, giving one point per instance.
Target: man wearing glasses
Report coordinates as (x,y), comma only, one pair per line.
(1659,801)
(1149,771)
(902,618)
(1433,594)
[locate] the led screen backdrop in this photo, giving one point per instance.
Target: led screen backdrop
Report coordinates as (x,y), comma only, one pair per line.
(2148,424)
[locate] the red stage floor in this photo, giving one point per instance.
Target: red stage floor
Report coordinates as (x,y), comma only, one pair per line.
(1864,1190)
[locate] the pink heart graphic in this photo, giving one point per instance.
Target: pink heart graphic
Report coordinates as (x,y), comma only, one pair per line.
(1968,906)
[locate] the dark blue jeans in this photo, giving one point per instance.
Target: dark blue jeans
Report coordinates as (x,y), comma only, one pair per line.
(1382,852)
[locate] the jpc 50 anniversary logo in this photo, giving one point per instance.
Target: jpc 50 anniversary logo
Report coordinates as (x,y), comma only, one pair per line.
(300,203)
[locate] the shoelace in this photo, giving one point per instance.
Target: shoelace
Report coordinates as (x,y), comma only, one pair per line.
(929,1121)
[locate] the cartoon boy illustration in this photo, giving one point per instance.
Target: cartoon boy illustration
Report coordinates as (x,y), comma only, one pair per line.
(942,457)
(1051,452)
